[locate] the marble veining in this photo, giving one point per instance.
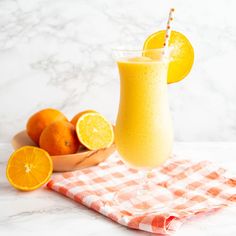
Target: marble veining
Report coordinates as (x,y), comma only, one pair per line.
(59,54)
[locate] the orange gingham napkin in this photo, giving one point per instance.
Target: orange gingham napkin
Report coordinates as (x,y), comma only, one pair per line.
(197,188)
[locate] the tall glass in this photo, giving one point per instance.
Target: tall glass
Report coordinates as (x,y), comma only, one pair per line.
(143,131)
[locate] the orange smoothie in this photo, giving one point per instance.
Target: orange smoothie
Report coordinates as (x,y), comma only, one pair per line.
(143,132)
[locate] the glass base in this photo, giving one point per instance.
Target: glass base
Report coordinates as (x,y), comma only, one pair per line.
(143,199)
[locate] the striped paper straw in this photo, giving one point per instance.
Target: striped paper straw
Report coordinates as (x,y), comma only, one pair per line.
(168,30)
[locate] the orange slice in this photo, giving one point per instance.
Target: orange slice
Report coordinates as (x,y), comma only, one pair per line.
(182,54)
(29,168)
(94,131)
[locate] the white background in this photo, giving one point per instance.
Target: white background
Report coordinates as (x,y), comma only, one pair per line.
(58,54)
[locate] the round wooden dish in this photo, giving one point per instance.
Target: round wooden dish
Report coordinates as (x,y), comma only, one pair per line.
(69,162)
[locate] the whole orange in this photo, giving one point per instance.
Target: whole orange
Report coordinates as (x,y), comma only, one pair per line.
(40,120)
(59,138)
(78,115)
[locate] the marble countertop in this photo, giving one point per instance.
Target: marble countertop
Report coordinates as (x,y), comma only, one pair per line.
(46,212)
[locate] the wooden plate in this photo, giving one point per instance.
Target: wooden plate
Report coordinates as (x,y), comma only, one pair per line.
(70,162)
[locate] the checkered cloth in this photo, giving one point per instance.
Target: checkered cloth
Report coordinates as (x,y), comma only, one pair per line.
(190,189)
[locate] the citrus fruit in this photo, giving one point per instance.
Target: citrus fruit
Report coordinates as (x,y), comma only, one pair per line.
(59,138)
(182,54)
(29,168)
(94,131)
(40,120)
(77,116)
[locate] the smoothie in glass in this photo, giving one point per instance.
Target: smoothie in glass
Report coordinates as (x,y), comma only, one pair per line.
(143,132)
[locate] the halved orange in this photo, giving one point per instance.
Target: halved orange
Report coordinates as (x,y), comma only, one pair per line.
(182,53)
(29,168)
(78,115)
(94,131)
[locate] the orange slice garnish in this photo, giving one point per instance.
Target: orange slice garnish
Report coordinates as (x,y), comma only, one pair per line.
(29,168)
(182,53)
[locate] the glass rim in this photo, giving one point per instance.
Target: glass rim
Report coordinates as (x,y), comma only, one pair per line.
(143,50)
(163,54)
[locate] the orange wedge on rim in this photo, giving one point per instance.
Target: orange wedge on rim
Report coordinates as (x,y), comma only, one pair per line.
(94,131)
(29,168)
(182,53)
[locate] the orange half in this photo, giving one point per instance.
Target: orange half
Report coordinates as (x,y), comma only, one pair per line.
(78,115)
(182,53)
(29,168)
(94,131)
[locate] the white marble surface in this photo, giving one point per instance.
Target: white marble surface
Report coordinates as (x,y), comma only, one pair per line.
(58,54)
(46,212)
